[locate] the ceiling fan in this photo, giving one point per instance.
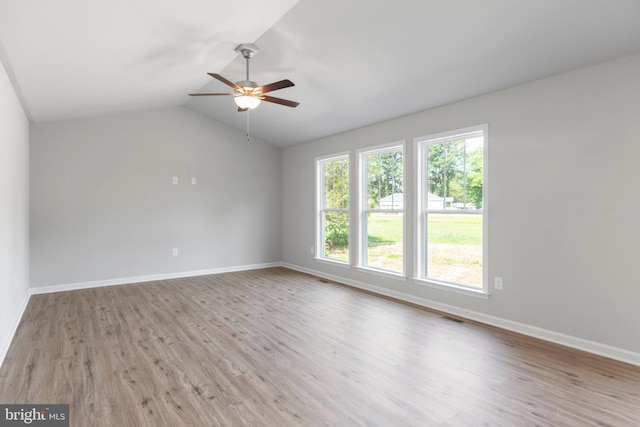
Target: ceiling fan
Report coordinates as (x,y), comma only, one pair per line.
(247,94)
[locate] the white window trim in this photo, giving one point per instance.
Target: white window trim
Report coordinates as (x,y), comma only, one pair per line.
(319,178)
(362,244)
(419,243)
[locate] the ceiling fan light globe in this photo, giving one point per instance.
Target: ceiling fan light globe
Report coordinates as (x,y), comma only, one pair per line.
(245,102)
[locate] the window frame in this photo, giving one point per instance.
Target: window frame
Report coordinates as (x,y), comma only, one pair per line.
(363,209)
(320,210)
(420,149)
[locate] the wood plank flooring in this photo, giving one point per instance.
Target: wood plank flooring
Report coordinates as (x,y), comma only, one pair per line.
(275,347)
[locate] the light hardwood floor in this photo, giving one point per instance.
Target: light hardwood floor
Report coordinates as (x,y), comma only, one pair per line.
(275,347)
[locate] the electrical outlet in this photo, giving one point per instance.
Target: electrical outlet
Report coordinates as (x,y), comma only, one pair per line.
(175,251)
(497,283)
(175,180)
(193,180)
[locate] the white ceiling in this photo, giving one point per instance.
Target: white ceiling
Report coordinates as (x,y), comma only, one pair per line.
(354,62)
(73,58)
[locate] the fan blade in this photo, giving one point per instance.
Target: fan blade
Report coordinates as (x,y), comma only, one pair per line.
(212,94)
(225,81)
(280,101)
(240,110)
(275,86)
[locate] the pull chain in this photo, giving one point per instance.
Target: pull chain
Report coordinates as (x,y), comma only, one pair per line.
(248,137)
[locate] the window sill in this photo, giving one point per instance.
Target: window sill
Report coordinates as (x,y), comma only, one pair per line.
(383,273)
(476,293)
(335,262)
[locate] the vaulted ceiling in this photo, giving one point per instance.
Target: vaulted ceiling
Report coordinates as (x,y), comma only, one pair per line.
(354,62)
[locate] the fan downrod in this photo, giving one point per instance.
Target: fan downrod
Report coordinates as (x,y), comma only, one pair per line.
(247,50)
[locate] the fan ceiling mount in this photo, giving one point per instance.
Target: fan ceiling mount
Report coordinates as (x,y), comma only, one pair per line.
(247,94)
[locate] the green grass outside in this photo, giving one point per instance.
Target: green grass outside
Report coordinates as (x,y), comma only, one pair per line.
(455,229)
(454,246)
(385,228)
(448,229)
(454,243)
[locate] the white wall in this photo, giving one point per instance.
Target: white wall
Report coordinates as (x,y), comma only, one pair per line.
(14,211)
(103,205)
(572,140)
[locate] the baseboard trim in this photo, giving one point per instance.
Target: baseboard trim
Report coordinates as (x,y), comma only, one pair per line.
(150,278)
(5,346)
(532,331)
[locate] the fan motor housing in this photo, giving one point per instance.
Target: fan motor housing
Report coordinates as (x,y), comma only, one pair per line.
(247,83)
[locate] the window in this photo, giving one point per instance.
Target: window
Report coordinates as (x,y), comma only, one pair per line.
(333,208)
(382,209)
(451,208)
